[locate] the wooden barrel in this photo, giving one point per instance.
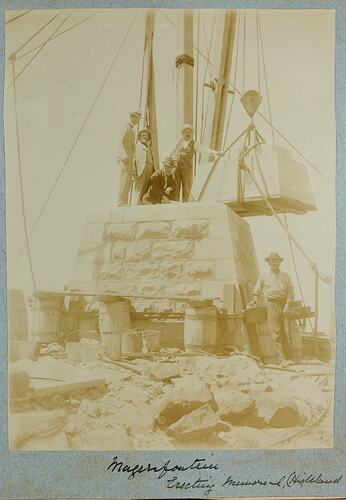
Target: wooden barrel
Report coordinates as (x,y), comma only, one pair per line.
(114,314)
(200,326)
(17,315)
(46,310)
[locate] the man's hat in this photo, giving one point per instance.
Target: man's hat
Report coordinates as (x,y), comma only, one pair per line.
(137,112)
(185,127)
(273,256)
(170,161)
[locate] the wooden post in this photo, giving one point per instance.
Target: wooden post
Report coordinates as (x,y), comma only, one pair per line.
(148,103)
(184,70)
(220,85)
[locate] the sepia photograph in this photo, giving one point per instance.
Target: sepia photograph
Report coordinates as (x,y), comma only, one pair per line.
(170,218)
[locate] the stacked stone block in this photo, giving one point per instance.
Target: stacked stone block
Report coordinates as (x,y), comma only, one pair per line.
(166,252)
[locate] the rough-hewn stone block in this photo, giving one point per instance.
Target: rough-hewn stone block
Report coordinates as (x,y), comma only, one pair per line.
(113,270)
(153,230)
(171,269)
(199,269)
(146,269)
(150,289)
(172,249)
(139,250)
(122,231)
(118,250)
(194,229)
(183,290)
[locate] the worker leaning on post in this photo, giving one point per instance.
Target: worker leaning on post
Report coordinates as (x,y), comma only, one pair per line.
(184,153)
(126,151)
(277,290)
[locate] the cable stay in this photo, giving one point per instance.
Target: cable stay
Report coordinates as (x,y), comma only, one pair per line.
(37,53)
(17,17)
(35,34)
(85,121)
(19,157)
(56,36)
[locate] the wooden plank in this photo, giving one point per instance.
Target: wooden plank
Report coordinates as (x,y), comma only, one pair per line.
(67,387)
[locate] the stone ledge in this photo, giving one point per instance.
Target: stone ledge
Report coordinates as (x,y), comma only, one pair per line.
(122,231)
(153,230)
(172,249)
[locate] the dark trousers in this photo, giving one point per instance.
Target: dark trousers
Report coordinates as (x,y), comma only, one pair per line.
(183,179)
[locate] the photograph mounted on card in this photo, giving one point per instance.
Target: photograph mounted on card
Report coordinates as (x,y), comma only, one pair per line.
(170,229)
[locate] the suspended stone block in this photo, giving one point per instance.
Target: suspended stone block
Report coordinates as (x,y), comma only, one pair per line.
(286,179)
(190,228)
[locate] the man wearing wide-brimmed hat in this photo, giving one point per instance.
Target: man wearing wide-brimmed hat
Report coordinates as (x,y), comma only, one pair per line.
(276,289)
(126,151)
(162,184)
(184,153)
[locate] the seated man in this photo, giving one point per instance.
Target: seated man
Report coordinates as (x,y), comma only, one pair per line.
(162,184)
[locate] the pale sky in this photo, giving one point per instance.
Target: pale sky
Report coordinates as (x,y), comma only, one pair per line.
(55,93)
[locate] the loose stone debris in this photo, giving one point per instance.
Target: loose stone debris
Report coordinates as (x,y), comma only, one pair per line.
(166,402)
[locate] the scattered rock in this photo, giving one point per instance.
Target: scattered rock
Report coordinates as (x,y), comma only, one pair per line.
(199,424)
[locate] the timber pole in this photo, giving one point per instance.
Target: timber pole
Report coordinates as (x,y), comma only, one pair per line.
(184,64)
(222,85)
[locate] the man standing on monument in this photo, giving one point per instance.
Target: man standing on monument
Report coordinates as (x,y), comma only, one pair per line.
(277,290)
(184,153)
(143,167)
(126,150)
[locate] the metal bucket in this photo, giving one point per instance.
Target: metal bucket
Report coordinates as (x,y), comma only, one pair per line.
(151,340)
(200,327)
(112,344)
(46,314)
(132,341)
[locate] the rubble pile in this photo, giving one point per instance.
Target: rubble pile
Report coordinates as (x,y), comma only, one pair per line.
(182,402)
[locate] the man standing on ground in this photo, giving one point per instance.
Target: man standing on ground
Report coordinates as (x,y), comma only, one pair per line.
(126,150)
(278,293)
(162,184)
(184,153)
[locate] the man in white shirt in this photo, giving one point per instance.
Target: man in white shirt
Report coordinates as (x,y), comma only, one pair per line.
(143,167)
(184,153)
(276,290)
(126,151)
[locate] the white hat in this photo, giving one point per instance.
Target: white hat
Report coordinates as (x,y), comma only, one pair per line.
(185,127)
(137,112)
